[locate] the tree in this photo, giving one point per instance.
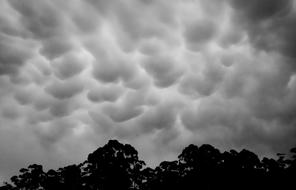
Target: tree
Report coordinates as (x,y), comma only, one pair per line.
(71,177)
(114,166)
(117,166)
(29,179)
(52,180)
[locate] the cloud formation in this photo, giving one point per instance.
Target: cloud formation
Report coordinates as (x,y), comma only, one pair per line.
(153,73)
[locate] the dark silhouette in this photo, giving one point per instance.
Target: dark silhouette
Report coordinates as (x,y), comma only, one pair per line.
(117,166)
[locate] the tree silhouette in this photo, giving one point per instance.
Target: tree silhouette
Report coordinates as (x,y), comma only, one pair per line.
(114,166)
(31,178)
(117,166)
(53,180)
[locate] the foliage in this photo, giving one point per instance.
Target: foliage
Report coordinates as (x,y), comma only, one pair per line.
(117,166)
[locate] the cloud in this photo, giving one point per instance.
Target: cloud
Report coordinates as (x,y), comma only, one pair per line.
(164,70)
(108,71)
(49,133)
(257,11)
(121,114)
(156,74)
(128,108)
(64,89)
(10,24)
(55,47)
(10,111)
(102,6)
(23,97)
(60,108)
(270,24)
(69,65)
(82,21)
(209,113)
(42,19)
(106,93)
(159,117)
(199,33)
(108,68)
(13,54)
(204,83)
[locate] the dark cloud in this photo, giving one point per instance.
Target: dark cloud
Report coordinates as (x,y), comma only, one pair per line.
(151,47)
(50,133)
(109,93)
(213,8)
(69,65)
(42,101)
(13,54)
(199,33)
(9,24)
(82,21)
(61,108)
(109,71)
(257,11)
(129,107)
(102,6)
(23,97)
(158,74)
(231,37)
(121,114)
(131,29)
(9,111)
(262,136)
(263,87)
(159,117)
(101,122)
(65,89)
(270,24)
(211,113)
(55,47)
(135,28)
(45,22)
(204,83)
(108,68)
(41,18)
(163,70)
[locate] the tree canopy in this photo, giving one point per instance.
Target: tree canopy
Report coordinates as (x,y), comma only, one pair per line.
(117,166)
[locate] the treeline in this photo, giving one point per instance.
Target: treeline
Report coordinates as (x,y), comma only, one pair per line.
(116,166)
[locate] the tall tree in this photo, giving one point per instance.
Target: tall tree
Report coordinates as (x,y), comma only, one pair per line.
(114,166)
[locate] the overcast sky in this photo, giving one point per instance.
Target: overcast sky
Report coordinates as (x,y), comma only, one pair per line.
(158,74)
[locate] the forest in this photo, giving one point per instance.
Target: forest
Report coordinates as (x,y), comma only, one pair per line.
(117,166)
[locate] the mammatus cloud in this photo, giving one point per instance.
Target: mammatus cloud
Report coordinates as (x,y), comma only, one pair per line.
(69,65)
(199,33)
(156,74)
(270,24)
(105,93)
(64,90)
(13,54)
(164,71)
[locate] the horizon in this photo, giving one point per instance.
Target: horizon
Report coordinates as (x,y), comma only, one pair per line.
(197,166)
(156,74)
(286,156)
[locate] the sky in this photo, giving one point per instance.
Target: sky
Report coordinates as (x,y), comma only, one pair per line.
(157,74)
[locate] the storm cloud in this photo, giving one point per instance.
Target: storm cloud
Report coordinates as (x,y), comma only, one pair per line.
(156,74)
